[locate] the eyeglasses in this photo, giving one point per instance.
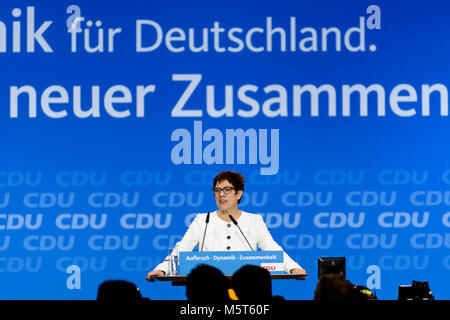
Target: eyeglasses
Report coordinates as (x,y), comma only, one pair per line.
(225,190)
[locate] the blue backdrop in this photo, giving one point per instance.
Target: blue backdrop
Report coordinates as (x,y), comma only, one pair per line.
(116,116)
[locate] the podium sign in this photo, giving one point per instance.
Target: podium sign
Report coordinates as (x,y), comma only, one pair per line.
(229,262)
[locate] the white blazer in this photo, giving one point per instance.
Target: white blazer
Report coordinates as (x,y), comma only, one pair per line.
(225,236)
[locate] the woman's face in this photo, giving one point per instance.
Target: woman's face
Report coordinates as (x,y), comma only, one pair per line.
(226,201)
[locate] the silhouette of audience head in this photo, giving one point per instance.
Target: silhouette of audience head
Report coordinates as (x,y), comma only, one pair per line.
(118,291)
(252,283)
(206,284)
(334,287)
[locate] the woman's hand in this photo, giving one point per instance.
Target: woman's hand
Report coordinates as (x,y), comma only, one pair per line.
(154,273)
(298,271)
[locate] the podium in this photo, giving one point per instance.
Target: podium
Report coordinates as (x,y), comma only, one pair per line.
(228,263)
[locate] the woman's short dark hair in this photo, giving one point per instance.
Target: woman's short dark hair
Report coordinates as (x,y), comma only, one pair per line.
(236,180)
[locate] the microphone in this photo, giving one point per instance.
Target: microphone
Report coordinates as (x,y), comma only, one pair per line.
(236,223)
(204,233)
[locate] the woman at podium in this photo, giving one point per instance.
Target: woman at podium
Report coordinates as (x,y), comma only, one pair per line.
(228,228)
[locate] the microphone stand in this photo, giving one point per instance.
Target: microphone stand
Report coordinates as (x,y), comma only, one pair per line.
(236,223)
(204,233)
